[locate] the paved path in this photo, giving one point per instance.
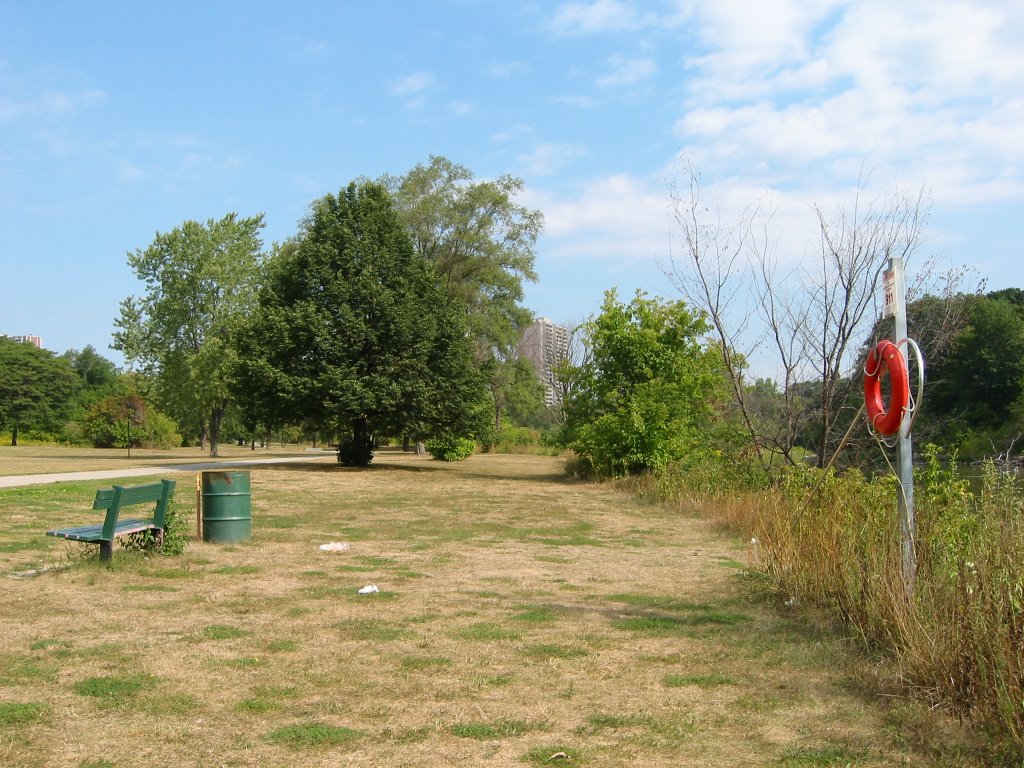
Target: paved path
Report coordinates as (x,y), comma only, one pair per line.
(13,481)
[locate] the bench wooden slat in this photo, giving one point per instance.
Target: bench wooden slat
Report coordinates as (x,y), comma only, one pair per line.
(94,533)
(130,494)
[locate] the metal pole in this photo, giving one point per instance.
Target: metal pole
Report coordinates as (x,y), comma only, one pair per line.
(905,459)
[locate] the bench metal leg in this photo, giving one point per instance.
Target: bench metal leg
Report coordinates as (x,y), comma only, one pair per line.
(106,550)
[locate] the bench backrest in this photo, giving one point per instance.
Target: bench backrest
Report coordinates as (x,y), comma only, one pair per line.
(120,496)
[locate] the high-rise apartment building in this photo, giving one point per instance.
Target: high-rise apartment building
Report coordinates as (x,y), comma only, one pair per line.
(545,344)
(35,341)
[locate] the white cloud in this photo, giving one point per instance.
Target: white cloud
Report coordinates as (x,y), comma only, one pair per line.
(511,134)
(414,83)
(50,103)
(507,69)
(306,48)
(413,88)
(615,217)
(462,108)
(580,102)
(627,71)
(930,90)
(129,172)
(597,16)
(544,159)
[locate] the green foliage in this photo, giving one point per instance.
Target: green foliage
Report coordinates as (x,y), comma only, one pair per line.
(120,421)
(451,448)
(36,389)
(356,451)
(975,387)
(200,282)
(481,244)
(353,333)
(177,533)
(644,398)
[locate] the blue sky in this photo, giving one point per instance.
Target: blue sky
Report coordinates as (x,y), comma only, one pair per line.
(118,120)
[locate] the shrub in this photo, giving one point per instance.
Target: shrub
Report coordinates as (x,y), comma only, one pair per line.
(111,422)
(177,533)
(355,453)
(451,448)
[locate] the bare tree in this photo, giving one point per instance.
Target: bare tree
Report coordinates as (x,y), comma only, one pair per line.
(730,272)
(565,369)
(855,246)
(810,321)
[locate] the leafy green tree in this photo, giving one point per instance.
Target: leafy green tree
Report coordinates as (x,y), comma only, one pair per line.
(983,375)
(96,372)
(35,388)
(645,395)
(353,334)
(482,245)
(524,396)
(200,283)
(98,378)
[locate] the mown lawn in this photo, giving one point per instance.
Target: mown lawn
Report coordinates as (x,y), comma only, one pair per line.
(521,620)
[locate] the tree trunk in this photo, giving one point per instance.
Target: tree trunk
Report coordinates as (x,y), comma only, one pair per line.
(202,437)
(360,431)
(216,415)
(14,434)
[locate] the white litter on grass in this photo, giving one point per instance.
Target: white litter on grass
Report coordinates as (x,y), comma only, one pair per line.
(369,589)
(334,546)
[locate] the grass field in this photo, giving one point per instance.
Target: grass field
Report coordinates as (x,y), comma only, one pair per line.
(39,459)
(521,620)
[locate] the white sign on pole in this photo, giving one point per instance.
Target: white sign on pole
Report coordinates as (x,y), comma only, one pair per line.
(889,290)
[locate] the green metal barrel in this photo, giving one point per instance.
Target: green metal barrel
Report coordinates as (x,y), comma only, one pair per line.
(227,507)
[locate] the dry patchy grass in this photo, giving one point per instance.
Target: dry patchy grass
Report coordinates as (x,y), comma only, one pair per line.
(520,618)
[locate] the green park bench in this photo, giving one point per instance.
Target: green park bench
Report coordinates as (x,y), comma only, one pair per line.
(113,500)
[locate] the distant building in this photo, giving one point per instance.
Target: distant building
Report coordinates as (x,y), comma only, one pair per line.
(35,341)
(545,344)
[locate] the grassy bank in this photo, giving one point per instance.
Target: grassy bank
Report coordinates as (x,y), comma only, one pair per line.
(521,620)
(831,544)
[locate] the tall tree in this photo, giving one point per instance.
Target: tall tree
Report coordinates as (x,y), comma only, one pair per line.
(95,371)
(35,388)
(200,282)
(481,243)
(353,333)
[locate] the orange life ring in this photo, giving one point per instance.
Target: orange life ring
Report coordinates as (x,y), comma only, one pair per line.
(886,422)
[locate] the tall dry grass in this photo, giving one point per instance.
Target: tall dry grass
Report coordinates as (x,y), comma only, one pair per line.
(831,542)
